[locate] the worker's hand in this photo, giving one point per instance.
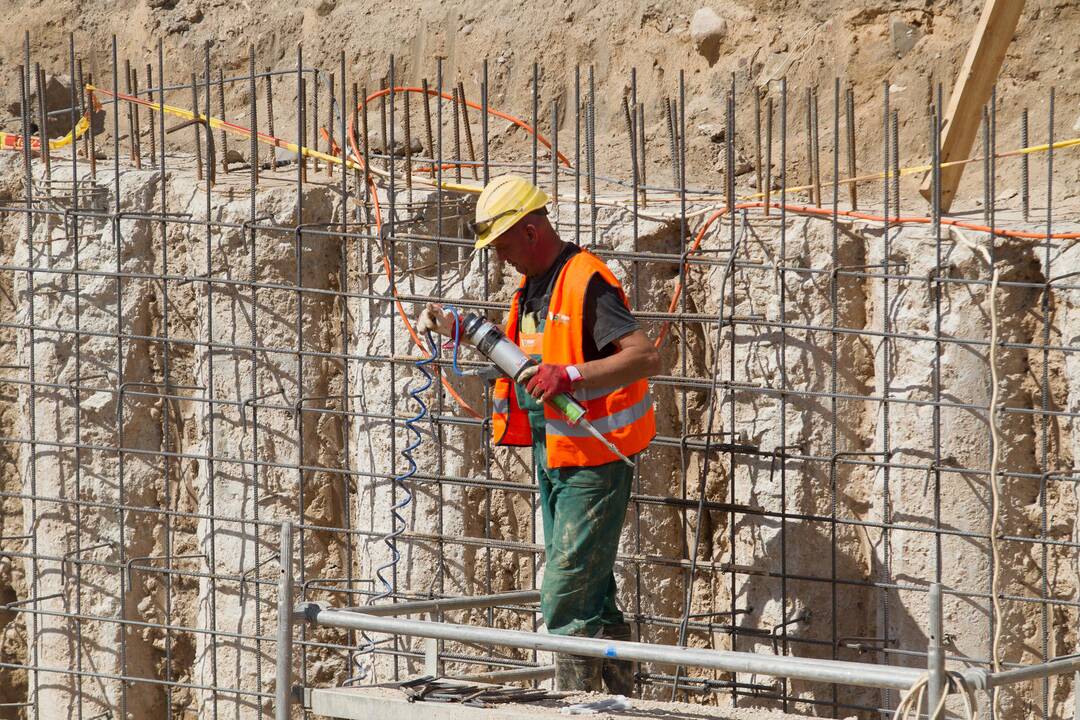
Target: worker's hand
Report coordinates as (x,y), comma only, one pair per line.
(547,381)
(434,319)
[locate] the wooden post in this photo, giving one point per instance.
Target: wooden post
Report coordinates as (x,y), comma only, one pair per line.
(974,84)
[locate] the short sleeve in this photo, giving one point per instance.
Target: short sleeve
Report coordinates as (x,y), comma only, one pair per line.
(606,317)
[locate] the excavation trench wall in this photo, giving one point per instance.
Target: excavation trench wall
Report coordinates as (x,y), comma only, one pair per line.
(132,501)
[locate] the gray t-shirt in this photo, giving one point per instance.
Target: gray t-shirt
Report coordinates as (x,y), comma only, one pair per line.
(606,317)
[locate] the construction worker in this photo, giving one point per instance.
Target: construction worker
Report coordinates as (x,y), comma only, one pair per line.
(570,313)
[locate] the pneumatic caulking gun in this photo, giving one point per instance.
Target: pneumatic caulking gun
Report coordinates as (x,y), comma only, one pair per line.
(510,359)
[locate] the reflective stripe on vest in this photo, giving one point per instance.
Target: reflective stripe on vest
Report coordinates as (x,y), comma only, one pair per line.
(606,425)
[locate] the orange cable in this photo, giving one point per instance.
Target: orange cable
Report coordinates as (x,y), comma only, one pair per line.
(826,212)
(390,270)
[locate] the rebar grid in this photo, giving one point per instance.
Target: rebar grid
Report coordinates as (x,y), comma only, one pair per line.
(158,452)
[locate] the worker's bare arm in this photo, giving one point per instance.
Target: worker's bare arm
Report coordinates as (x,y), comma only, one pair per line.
(636,359)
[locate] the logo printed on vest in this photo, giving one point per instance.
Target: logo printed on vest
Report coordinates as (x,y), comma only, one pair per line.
(558,317)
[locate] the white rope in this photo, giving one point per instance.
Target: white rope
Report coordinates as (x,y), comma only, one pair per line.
(995,493)
(912,699)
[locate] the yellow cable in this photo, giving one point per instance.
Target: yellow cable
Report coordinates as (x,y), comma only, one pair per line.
(305,151)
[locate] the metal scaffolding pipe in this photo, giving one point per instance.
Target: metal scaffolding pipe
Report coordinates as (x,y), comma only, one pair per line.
(283,688)
(814,670)
(935,653)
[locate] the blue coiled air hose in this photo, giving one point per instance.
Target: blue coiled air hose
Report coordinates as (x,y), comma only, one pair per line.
(385,572)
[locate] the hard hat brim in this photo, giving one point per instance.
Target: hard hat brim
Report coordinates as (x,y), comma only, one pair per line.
(535,200)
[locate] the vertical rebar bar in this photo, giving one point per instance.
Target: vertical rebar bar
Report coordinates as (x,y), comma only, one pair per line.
(729,158)
(150,115)
(672,140)
(253,387)
(360,181)
(166,408)
(427,119)
(886,361)
(1044,401)
(93,139)
(834,365)
(407,122)
(43,124)
(298,341)
(554,152)
(210,410)
(28,193)
(253,123)
(391,242)
(759,180)
(939,289)
(817,148)
(301,126)
(577,154)
(810,148)
(589,190)
(629,120)
(366,149)
(591,138)
(331,105)
(132,133)
(457,133)
(535,120)
(894,171)
(211,149)
(768,155)
(484,134)
(137,134)
(270,117)
(347,334)
(464,105)
(75,101)
(641,153)
(1025,185)
(780,454)
(224,136)
(314,137)
(118,258)
(198,131)
(988,199)
(849,105)
(993,157)
(84,103)
(383,100)
(676,115)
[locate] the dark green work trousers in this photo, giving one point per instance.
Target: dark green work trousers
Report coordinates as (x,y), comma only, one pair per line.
(583,510)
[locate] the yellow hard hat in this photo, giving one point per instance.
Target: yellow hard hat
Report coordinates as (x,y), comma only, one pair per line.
(504,201)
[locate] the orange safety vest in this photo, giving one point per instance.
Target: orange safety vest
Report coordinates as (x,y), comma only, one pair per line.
(624,415)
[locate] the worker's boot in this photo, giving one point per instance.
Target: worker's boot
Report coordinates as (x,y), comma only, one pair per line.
(574,672)
(618,675)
